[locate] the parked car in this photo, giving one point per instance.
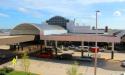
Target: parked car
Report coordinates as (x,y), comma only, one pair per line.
(71,47)
(85,58)
(6,57)
(86,48)
(123,63)
(93,49)
(102,49)
(123,74)
(78,49)
(44,54)
(65,56)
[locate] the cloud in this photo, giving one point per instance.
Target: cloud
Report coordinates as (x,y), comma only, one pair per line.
(24,10)
(31,12)
(87,2)
(4,15)
(117,13)
(122,0)
(53,7)
(66,8)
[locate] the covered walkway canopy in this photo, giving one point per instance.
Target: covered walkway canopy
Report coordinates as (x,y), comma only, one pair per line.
(81,37)
(4,40)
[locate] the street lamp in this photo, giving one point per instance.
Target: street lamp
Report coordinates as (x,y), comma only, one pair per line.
(95,63)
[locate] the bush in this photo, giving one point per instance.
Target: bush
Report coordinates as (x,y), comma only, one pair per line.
(6,70)
(2,73)
(74,70)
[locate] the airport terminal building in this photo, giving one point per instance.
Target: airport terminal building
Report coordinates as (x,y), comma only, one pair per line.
(61,31)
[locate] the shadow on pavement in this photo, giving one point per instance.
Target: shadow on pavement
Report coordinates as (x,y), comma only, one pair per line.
(102,63)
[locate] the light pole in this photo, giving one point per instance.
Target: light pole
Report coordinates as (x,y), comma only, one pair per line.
(95,63)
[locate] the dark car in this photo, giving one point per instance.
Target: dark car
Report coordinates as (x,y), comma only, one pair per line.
(65,56)
(85,58)
(44,55)
(6,57)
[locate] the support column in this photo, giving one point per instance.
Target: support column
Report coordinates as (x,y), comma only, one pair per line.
(96,44)
(82,51)
(41,46)
(112,52)
(56,45)
(18,47)
(45,43)
(21,45)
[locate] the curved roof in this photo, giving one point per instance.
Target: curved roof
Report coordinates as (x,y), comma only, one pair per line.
(26,28)
(58,20)
(32,28)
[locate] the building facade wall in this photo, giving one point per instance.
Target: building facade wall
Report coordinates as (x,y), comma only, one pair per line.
(50,32)
(75,28)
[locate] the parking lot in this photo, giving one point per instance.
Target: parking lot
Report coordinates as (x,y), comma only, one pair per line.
(59,67)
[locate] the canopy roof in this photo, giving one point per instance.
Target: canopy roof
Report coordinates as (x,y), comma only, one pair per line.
(81,37)
(15,39)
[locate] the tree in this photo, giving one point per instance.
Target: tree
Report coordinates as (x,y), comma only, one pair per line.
(26,63)
(74,70)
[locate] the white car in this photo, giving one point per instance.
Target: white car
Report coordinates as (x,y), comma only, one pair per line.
(123,74)
(71,47)
(102,49)
(78,49)
(123,63)
(85,48)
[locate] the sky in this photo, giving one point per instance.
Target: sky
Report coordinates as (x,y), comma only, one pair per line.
(14,12)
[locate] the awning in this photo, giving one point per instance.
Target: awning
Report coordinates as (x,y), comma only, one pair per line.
(86,37)
(4,40)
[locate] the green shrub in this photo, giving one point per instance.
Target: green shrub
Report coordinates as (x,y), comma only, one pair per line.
(26,63)
(2,72)
(74,70)
(6,70)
